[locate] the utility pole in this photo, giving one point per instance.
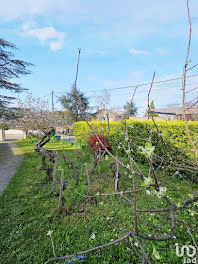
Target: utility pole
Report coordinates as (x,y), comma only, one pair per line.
(52,108)
(148,111)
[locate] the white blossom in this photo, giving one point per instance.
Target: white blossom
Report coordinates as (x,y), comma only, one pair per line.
(161,192)
(148,150)
(148,180)
(93,236)
(156,253)
(49,233)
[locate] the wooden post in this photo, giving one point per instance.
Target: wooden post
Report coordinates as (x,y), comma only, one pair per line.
(2,135)
(61,190)
(77,172)
(65,157)
(76,150)
(143,258)
(108,124)
(54,172)
(99,154)
(116,176)
(87,172)
(24,134)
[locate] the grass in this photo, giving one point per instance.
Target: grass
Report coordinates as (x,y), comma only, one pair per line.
(28,210)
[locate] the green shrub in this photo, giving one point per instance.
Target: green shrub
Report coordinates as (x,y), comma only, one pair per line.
(169,138)
(4,126)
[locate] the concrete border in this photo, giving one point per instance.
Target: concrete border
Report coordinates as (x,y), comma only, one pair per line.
(10,158)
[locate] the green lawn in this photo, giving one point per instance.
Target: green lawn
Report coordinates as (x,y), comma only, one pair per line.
(29,209)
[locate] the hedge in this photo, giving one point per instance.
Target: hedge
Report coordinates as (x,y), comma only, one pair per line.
(169,139)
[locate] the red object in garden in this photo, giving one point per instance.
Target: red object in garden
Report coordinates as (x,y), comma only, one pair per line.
(95,145)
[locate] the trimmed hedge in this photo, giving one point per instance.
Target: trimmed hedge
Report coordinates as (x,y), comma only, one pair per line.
(172,139)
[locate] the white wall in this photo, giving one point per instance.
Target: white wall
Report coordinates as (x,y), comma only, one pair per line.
(15,134)
(2,134)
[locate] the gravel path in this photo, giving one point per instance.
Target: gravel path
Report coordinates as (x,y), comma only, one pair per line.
(10,158)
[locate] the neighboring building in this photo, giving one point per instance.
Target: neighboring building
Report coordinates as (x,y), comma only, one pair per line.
(145,118)
(191,113)
(103,114)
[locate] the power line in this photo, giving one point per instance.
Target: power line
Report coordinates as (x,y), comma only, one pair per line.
(166,105)
(142,84)
(158,89)
(45,96)
(192,90)
(139,85)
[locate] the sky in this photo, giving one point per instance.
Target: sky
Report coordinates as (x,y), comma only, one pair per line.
(122,43)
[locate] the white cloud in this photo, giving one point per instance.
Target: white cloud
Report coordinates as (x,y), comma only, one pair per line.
(14,9)
(99,11)
(55,38)
(162,51)
(28,25)
(139,52)
(56,45)
(131,21)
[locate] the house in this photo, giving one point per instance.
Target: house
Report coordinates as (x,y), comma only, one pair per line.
(191,112)
(104,114)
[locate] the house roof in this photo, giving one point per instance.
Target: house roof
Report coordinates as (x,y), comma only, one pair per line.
(108,111)
(176,110)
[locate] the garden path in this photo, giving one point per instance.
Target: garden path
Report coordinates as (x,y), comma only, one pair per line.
(10,158)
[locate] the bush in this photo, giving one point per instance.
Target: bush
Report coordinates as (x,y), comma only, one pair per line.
(168,137)
(4,126)
(95,145)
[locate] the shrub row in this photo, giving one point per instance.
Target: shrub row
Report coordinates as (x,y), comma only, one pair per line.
(169,138)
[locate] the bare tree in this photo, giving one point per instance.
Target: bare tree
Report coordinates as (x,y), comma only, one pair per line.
(194,143)
(34,113)
(103,101)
